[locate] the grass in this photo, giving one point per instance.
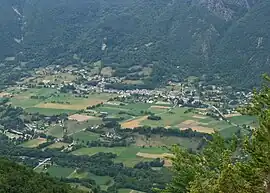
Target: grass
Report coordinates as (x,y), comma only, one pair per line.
(34,142)
(49,111)
(78,175)
(72,127)
(125,155)
(100,180)
(158,141)
(123,190)
(60,172)
(173,118)
(243,119)
(55,131)
(94,150)
(85,136)
(58,145)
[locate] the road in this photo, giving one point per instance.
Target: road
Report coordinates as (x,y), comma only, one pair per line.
(43,162)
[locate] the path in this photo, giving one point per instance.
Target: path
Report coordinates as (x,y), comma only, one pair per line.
(43,162)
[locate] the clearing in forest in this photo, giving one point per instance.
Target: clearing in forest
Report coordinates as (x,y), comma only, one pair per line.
(131,124)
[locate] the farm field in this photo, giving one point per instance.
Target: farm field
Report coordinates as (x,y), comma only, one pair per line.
(78,175)
(58,145)
(49,111)
(158,141)
(103,181)
(48,101)
(34,142)
(85,136)
(59,172)
(72,127)
(124,190)
(125,155)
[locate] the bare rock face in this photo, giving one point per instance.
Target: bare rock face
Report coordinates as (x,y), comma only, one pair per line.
(219,8)
(226,9)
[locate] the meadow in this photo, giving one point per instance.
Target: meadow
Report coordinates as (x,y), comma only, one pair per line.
(85,136)
(125,155)
(59,172)
(49,101)
(34,142)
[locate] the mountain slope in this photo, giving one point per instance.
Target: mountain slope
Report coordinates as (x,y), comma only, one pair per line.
(15,178)
(175,38)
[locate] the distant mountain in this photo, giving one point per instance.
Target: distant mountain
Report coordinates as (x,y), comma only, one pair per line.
(15,178)
(227,40)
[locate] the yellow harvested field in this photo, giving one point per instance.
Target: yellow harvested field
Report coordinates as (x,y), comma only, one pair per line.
(196,126)
(79,106)
(232,115)
(165,156)
(80,118)
(159,107)
(133,123)
(199,117)
(5,94)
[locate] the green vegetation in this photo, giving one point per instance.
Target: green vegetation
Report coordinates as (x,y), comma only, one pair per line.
(34,142)
(125,155)
(85,136)
(59,172)
(169,47)
(49,111)
(16,178)
(238,165)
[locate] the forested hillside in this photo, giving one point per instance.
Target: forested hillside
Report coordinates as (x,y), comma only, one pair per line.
(15,178)
(225,40)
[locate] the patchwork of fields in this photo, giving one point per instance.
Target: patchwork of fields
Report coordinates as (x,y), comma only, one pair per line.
(126,155)
(48,101)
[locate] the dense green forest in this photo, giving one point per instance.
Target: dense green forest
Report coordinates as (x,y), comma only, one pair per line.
(16,178)
(220,39)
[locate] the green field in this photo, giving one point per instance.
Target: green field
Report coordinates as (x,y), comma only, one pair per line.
(49,111)
(33,143)
(125,155)
(100,180)
(60,172)
(172,118)
(85,136)
(58,145)
(72,127)
(124,190)
(78,175)
(54,103)
(244,119)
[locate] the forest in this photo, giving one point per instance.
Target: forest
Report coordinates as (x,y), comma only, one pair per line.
(16,178)
(174,39)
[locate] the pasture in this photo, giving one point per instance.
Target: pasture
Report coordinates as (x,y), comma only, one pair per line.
(49,111)
(59,172)
(58,145)
(126,155)
(49,101)
(34,142)
(85,136)
(72,127)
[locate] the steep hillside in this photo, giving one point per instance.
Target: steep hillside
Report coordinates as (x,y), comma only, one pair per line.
(175,38)
(15,178)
